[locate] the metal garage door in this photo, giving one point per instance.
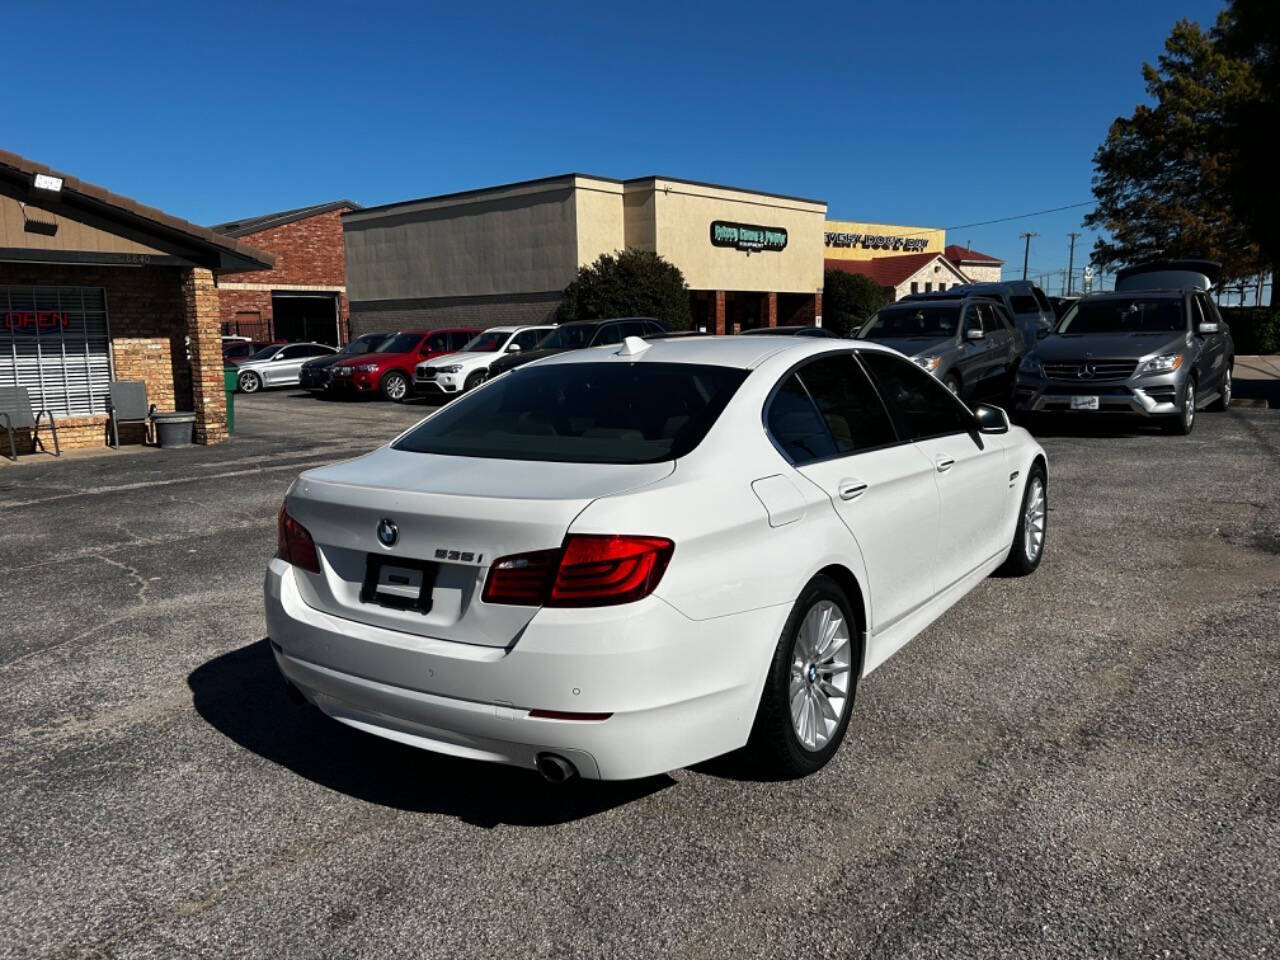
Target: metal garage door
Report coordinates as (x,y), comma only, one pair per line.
(55,342)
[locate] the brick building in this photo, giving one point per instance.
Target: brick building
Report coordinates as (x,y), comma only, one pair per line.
(978,267)
(95,287)
(304,296)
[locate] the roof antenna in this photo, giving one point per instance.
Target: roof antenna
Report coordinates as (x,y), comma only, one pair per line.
(633,347)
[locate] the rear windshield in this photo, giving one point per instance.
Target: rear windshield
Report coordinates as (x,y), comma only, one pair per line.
(912,322)
(1124,315)
(400,343)
(583,413)
(567,338)
(1023,303)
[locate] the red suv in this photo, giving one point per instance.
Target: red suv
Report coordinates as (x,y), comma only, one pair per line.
(390,367)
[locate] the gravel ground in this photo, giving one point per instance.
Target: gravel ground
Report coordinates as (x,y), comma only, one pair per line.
(1082,763)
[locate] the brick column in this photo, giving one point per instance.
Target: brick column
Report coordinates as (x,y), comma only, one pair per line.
(203,325)
(717,312)
(769,315)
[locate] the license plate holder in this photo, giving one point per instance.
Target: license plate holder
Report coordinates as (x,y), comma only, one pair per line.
(1084,403)
(401,583)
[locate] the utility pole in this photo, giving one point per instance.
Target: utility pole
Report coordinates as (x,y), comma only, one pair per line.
(1027,253)
(1071,262)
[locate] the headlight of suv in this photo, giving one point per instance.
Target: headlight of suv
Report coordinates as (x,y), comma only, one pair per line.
(1031,364)
(451,368)
(1165,364)
(367,367)
(927,363)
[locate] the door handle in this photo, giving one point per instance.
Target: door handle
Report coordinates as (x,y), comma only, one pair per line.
(945,463)
(852,489)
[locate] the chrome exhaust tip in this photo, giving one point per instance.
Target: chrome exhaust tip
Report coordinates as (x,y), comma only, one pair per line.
(554,768)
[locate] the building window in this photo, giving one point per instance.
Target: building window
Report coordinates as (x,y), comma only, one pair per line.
(928,286)
(55,341)
(915,287)
(941,286)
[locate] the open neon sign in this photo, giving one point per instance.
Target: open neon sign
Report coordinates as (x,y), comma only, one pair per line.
(36,322)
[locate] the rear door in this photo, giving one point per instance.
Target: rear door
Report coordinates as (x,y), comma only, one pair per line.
(826,419)
(968,467)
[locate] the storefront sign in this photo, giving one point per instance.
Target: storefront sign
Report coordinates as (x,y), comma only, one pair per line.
(868,241)
(747,236)
(35,322)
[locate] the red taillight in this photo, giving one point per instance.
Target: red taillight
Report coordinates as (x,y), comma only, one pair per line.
(587,571)
(295,544)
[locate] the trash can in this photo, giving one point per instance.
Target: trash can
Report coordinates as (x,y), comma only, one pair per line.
(230,378)
(174,429)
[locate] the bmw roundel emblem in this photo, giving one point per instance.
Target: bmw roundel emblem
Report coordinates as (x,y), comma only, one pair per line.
(388,532)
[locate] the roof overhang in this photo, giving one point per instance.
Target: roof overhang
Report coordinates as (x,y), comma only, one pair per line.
(97,207)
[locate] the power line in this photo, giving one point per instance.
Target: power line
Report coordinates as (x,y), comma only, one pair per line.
(1021,216)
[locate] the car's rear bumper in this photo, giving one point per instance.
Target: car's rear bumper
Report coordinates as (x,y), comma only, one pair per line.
(677,691)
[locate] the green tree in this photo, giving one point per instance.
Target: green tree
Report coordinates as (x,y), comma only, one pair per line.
(848,299)
(1163,175)
(1249,30)
(629,283)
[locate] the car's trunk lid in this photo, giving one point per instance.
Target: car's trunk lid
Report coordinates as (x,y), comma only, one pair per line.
(457,514)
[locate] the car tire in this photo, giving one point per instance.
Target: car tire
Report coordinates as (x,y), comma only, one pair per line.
(793,735)
(1026,552)
(474,380)
(1185,421)
(249,382)
(1224,396)
(952,383)
(395,386)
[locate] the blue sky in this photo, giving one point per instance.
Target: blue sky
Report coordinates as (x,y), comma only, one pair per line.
(918,113)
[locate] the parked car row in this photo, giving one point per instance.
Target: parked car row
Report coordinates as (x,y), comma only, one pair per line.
(1155,347)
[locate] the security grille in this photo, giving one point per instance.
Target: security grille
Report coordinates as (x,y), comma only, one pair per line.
(55,341)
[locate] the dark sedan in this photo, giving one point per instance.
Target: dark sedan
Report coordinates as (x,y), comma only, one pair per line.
(315,373)
(579,335)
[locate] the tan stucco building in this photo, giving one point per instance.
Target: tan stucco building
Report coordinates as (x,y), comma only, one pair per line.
(505,254)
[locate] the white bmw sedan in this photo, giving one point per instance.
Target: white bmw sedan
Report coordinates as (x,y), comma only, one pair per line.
(620,561)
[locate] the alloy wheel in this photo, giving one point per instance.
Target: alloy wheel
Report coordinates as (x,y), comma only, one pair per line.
(820,674)
(1189,405)
(396,387)
(250,382)
(1033,520)
(1226,389)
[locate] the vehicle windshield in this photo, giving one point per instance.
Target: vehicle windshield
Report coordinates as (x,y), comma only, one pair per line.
(567,338)
(399,343)
(487,342)
(266,353)
(364,344)
(1124,315)
(583,413)
(912,322)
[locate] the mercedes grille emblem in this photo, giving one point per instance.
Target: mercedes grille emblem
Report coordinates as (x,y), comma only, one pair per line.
(388,533)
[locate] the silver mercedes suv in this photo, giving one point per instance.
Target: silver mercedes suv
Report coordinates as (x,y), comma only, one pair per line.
(1156,347)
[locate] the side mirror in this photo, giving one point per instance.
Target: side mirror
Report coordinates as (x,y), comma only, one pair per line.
(1042,333)
(974,333)
(1207,328)
(513,348)
(991,419)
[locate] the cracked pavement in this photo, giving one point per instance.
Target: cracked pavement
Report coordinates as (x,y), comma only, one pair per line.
(1085,762)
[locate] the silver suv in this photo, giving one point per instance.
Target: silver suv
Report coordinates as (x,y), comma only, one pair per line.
(969,343)
(1030,309)
(1160,352)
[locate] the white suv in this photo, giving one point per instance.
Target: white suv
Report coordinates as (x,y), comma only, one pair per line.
(469,367)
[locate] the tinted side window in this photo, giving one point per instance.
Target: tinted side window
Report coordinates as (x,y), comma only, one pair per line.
(1002,319)
(1041,299)
(609,333)
(438,342)
(921,407)
(634,328)
(318,349)
(1022,303)
(653,329)
(848,404)
(794,424)
(528,338)
(293,353)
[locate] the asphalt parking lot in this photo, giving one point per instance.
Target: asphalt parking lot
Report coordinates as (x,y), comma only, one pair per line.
(1082,763)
